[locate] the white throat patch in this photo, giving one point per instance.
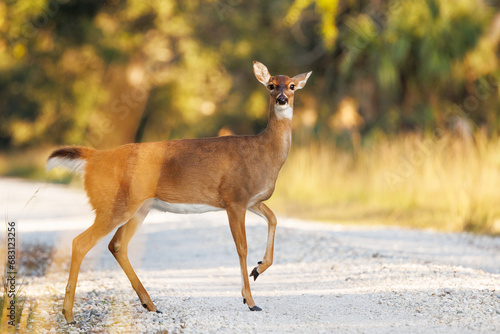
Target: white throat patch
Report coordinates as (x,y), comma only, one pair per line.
(284,111)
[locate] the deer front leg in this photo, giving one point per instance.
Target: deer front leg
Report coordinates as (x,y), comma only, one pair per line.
(262,210)
(236,215)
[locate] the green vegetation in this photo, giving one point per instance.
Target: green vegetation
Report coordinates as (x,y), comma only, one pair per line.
(399,123)
(17,310)
(24,309)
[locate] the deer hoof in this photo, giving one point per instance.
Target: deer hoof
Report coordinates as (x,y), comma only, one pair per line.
(255,308)
(146,307)
(254,273)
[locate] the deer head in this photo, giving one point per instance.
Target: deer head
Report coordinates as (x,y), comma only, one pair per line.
(281,89)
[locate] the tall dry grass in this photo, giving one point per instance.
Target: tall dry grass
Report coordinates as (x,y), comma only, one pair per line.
(445,182)
(422,181)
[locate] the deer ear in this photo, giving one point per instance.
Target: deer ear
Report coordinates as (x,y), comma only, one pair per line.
(301,79)
(261,72)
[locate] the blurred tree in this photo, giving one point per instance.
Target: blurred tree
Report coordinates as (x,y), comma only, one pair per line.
(414,64)
(107,73)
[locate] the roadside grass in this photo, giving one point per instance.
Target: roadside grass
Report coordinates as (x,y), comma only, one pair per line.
(421,181)
(23,313)
(17,309)
(30,164)
(412,180)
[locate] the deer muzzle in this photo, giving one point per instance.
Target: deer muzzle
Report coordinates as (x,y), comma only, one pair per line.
(282,99)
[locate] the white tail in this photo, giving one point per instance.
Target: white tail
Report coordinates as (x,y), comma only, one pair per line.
(232,173)
(72,158)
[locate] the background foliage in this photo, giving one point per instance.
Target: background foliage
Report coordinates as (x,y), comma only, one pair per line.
(386,73)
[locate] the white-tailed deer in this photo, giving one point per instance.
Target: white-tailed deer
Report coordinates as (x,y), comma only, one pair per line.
(233,173)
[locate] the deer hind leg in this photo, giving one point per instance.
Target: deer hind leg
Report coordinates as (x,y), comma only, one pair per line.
(118,246)
(236,215)
(81,246)
(262,210)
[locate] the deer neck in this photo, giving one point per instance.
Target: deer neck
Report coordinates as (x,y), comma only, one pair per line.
(278,133)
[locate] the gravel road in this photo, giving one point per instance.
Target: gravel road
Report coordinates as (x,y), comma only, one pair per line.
(325,278)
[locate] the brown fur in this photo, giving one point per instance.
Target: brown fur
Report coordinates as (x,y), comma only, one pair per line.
(72,152)
(234,173)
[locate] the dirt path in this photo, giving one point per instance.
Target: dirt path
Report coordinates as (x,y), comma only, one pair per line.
(325,278)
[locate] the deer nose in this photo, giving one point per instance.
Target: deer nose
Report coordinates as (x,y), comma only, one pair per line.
(282,100)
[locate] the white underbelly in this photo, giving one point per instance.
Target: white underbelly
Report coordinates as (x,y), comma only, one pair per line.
(183,208)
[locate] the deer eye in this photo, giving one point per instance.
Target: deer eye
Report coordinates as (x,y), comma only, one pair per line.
(292,86)
(271,87)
